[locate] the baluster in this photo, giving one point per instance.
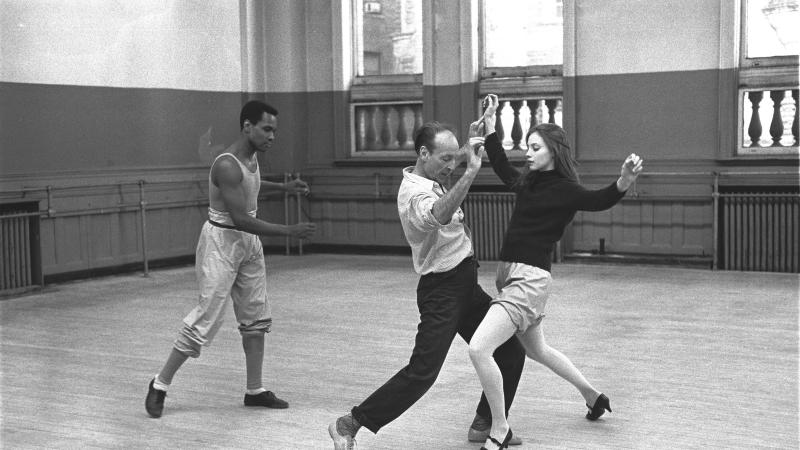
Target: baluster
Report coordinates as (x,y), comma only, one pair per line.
(361,128)
(533,105)
(552,104)
(403,113)
(386,127)
(516,128)
(796,108)
(417,119)
(754,130)
(525,117)
(498,123)
(372,135)
(776,127)
(540,111)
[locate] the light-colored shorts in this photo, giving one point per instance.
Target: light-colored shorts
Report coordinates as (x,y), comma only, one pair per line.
(229,265)
(522,291)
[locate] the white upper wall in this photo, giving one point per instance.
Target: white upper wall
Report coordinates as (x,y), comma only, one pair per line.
(303,45)
(638,36)
(176,44)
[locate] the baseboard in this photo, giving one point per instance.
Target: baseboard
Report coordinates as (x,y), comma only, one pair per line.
(189,260)
(355,249)
(703,262)
(118,269)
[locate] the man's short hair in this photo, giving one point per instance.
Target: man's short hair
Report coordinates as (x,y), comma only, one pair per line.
(426,135)
(253,110)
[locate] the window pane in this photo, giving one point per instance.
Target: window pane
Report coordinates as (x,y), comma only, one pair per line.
(772,28)
(391,37)
(523,33)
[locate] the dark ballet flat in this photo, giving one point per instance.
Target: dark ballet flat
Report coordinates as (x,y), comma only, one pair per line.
(599,408)
(500,445)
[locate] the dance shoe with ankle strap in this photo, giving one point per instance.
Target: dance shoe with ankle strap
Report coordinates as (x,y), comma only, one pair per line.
(500,445)
(599,408)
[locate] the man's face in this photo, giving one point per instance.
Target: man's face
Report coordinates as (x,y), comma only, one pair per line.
(262,134)
(440,162)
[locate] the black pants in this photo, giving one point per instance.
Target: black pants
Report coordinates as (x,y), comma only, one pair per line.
(449,302)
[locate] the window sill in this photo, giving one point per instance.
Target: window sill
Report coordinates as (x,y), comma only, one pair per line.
(376,161)
(522,86)
(746,160)
(761,77)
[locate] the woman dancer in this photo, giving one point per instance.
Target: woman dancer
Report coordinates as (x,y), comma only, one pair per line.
(548,196)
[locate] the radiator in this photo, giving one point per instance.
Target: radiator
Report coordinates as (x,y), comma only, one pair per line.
(19,269)
(760,232)
(487,215)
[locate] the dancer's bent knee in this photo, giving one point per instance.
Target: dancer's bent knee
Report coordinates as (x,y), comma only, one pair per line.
(258,327)
(188,346)
(479,352)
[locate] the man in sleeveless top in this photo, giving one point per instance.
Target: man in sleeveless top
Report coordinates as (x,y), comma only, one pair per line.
(230,259)
(449,298)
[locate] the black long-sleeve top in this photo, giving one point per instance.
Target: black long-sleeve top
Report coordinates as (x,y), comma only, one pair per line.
(545,205)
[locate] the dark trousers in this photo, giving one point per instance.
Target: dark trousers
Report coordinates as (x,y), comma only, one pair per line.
(449,302)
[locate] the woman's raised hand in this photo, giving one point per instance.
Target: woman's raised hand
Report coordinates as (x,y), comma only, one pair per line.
(490,103)
(631,168)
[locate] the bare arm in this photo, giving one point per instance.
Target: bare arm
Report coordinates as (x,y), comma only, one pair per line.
(228,177)
(292,187)
(444,208)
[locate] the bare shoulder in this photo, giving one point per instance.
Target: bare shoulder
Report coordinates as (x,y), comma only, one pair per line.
(226,170)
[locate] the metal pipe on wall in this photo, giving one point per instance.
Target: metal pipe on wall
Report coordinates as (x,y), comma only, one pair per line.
(142,215)
(715,224)
(286,211)
(141,207)
(299,215)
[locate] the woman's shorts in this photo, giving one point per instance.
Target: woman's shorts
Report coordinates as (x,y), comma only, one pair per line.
(522,292)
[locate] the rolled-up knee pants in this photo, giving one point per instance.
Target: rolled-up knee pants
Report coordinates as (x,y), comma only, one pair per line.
(229,265)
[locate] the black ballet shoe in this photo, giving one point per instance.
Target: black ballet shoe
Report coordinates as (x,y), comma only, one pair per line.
(599,408)
(500,445)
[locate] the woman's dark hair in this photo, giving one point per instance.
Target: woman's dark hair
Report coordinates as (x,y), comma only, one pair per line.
(253,110)
(426,135)
(556,140)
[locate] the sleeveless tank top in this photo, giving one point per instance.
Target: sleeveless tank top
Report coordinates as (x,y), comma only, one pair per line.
(251,183)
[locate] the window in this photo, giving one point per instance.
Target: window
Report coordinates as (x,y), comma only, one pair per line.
(768,93)
(372,63)
(523,37)
(386,95)
(523,59)
(771,29)
(392,31)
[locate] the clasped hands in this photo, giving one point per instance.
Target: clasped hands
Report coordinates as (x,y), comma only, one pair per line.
(473,151)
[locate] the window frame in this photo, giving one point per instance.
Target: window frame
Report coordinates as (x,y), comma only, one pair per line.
(547,81)
(376,88)
(749,74)
(542,81)
(762,71)
(519,77)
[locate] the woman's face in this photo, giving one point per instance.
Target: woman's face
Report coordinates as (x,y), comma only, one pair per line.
(538,155)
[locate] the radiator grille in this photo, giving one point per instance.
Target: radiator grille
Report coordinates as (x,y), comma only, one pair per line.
(19,258)
(760,232)
(487,215)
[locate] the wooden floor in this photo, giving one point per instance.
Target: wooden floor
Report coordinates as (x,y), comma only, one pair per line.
(689,358)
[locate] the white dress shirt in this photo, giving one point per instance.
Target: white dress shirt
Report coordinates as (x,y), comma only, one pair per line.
(435,247)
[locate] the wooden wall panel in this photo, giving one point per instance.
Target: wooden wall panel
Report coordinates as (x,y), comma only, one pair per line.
(67,253)
(357,222)
(678,227)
